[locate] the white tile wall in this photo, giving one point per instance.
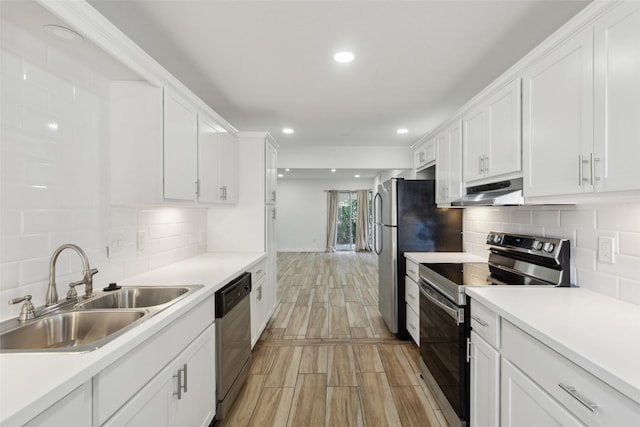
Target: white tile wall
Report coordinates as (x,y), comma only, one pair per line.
(54,179)
(583,225)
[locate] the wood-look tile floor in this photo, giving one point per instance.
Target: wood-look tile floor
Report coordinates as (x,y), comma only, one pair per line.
(327,358)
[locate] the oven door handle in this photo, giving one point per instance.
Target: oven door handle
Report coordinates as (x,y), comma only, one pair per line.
(450,311)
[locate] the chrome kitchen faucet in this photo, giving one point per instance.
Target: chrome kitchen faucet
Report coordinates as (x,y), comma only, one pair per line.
(87,272)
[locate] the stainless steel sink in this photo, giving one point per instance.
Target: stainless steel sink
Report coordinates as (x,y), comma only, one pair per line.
(89,324)
(74,331)
(137,297)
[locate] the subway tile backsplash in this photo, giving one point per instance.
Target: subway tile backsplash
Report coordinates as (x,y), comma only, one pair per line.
(582,225)
(54,180)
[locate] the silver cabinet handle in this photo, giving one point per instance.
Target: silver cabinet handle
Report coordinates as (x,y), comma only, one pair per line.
(412,296)
(182,381)
(479,320)
(480,164)
(413,326)
(581,178)
(412,272)
(469,356)
(573,393)
(593,160)
(485,164)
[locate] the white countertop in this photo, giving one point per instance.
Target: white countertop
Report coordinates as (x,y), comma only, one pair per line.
(421,257)
(599,333)
(31,382)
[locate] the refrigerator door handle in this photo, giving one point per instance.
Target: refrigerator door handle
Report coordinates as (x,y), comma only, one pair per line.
(377,201)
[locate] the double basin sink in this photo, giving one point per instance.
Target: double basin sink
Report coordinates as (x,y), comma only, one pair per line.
(90,324)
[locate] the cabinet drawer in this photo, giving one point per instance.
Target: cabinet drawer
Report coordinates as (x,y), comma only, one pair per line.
(412,294)
(412,270)
(568,383)
(413,324)
(258,271)
(485,323)
(116,384)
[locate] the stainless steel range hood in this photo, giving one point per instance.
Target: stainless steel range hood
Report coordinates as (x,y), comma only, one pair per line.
(502,193)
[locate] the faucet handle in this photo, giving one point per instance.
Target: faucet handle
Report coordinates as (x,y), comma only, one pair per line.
(93,272)
(72,293)
(27,312)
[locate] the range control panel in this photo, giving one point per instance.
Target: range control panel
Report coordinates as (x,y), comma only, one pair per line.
(542,246)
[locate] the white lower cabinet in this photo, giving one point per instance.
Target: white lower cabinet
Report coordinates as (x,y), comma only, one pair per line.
(484,383)
(537,386)
(180,395)
(170,376)
(525,404)
(72,410)
(412,299)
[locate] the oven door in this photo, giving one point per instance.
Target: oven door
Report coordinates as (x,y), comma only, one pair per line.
(443,332)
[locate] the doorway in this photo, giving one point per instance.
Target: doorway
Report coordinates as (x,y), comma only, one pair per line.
(347,218)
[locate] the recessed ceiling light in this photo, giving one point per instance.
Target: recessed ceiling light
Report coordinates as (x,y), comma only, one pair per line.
(63,33)
(343,57)
(356,176)
(288,131)
(402,131)
(280,175)
(333,170)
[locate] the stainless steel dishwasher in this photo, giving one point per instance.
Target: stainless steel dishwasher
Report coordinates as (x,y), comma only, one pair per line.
(233,341)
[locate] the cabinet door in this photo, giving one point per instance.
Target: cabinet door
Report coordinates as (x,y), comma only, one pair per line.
(557,119)
(271,287)
(442,168)
(193,395)
(474,126)
(150,407)
(271,169)
(617,98)
(228,158)
(454,187)
(485,383)
(209,186)
(504,148)
(72,410)
(258,311)
(524,404)
(180,142)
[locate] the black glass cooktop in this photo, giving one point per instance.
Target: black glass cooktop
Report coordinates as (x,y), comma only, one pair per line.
(463,274)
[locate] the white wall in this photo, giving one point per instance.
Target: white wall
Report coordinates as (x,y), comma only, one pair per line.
(374,158)
(302,211)
(55,179)
(582,225)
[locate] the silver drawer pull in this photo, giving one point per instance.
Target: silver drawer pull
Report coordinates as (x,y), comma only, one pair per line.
(412,296)
(479,320)
(413,326)
(572,391)
(412,272)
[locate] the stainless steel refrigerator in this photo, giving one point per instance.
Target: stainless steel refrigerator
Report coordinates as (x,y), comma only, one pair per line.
(407,220)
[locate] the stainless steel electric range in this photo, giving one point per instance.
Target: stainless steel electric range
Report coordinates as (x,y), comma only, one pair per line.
(444,318)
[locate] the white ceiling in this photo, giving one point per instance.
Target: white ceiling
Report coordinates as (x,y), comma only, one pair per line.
(265,65)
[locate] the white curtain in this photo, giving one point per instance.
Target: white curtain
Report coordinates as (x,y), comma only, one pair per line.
(362,221)
(332,220)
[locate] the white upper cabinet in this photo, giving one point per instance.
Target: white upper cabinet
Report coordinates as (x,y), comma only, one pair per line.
(180,145)
(165,150)
(617,99)
(425,155)
(217,159)
(581,110)
(558,119)
(271,171)
(449,164)
(492,142)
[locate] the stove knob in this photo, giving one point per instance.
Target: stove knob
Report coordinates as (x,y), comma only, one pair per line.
(497,238)
(537,245)
(549,247)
